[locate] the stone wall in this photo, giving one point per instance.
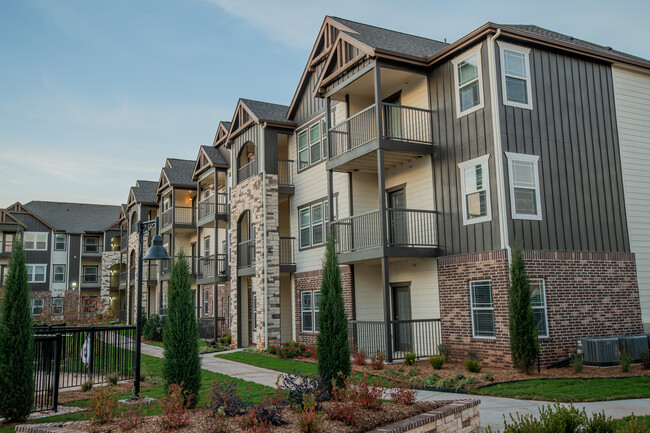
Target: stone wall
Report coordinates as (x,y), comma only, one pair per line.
(109,259)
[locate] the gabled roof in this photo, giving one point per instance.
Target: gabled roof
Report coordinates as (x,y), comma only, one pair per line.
(249,112)
(18,209)
(221,135)
(123,209)
(143,192)
(9,222)
(75,217)
(176,172)
(208,157)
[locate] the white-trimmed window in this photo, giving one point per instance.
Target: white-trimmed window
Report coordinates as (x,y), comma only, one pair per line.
(482,309)
(313,220)
(37,306)
(59,242)
(90,274)
(206,302)
(57,306)
(59,274)
(36,273)
(475,189)
(310,304)
(524,186)
(468,81)
(35,241)
(312,144)
(538,301)
(206,246)
(91,244)
(515,76)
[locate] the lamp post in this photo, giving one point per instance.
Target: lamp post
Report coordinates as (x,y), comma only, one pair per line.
(155,252)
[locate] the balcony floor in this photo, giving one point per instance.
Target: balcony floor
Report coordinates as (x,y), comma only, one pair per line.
(374,253)
(364,158)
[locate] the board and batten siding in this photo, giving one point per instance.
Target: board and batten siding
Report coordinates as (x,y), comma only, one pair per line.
(456,140)
(572,128)
(632,95)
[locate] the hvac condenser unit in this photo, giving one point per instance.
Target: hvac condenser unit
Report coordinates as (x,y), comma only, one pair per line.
(600,351)
(635,345)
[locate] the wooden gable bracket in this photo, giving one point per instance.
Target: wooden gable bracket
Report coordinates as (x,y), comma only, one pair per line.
(242,119)
(221,135)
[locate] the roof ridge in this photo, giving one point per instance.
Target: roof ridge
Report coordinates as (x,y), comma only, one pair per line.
(69,202)
(263,102)
(390,30)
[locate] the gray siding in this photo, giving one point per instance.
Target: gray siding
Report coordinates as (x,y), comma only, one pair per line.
(38,257)
(271,150)
(309,106)
(572,127)
(457,140)
(74,259)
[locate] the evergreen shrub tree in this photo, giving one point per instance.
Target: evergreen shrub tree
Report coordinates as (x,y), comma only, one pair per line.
(333,348)
(182,364)
(524,346)
(16,342)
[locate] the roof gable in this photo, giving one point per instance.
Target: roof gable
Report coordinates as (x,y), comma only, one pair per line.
(7,218)
(221,135)
(249,112)
(18,208)
(208,157)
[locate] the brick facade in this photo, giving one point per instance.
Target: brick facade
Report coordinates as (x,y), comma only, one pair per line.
(587,294)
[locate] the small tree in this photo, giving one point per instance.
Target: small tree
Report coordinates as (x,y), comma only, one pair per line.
(16,342)
(333,349)
(182,365)
(524,346)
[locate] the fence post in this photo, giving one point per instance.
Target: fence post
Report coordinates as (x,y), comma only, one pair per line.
(91,344)
(57,371)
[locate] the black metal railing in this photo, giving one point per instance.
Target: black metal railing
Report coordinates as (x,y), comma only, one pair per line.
(184,215)
(246,171)
(47,365)
(421,336)
(211,266)
(207,207)
(167,218)
(91,249)
(353,132)
(246,253)
(405,227)
(93,352)
(166,266)
(285,172)
(286,251)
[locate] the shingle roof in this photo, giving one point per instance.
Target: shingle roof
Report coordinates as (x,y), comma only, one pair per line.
(550,34)
(144,191)
(267,111)
(215,155)
(226,124)
(75,217)
(390,40)
(180,172)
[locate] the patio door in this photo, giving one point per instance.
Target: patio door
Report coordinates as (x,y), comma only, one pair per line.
(393,117)
(402,338)
(397,220)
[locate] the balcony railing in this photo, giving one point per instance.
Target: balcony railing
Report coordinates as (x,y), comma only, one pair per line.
(405,227)
(419,336)
(178,215)
(211,266)
(246,253)
(214,203)
(247,171)
(166,266)
(399,122)
(286,251)
(90,279)
(92,249)
(285,172)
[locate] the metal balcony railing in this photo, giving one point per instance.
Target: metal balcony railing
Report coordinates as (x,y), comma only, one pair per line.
(286,251)
(215,203)
(178,215)
(212,266)
(285,172)
(246,253)
(89,279)
(92,249)
(246,171)
(166,266)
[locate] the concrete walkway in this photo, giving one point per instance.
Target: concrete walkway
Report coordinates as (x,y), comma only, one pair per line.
(492,409)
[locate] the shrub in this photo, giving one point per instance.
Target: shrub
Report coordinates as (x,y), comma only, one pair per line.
(409,358)
(225,340)
(174,413)
(130,418)
(143,375)
(112,379)
(524,344)
(102,405)
(645,359)
(16,332)
(300,387)
(152,329)
(599,423)
(472,364)
(625,359)
(223,399)
(444,350)
(578,362)
(333,345)
(182,363)
(437,361)
(377,361)
(268,412)
(87,386)
(359,356)
(557,418)
(489,377)
(309,419)
(633,425)
(402,394)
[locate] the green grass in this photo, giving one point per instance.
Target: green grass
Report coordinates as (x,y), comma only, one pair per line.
(272,363)
(568,390)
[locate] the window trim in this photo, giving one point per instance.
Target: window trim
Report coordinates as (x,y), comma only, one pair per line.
(324,203)
(544,308)
(83,274)
(472,309)
(54,301)
(33,265)
(206,246)
(503,47)
(64,241)
(206,302)
(42,307)
(467,54)
(313,311)
(35,241)
(54,280)
(322,141)
(512,157)
(484,161)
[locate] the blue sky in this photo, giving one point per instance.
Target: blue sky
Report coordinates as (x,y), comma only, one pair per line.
(96,94)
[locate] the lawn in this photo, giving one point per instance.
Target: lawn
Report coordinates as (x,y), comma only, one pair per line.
(303,368)
(567,390)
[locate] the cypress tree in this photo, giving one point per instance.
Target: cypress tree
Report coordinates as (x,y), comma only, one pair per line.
(333,348)
(524,346)
(16,342)
(182,364)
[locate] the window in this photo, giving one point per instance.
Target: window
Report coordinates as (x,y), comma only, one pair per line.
(206,302)
(90,304)
(59,242)
(37,306)
(90,274)
(305,239)
(313,221)
(310,304)
(206,246)
(482,309)
(35,241)
(524,186)
(312,144)
(36,273)
(515,76)
(475,187)
(164,300)
(8,243)
(57,306)
(317,224)
(469,83)
(165,204)
(59,274)
(91,245)
(538,301)
(229,311)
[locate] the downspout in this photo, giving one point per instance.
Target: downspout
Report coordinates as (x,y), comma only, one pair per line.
(498,148)
(266,281)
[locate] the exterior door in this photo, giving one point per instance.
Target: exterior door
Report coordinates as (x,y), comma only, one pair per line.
(393,117)
(402,311)
(397,219)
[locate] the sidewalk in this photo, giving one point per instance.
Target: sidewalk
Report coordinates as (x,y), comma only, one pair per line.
(492,409)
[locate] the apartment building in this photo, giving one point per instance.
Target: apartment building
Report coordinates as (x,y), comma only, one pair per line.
(71,249)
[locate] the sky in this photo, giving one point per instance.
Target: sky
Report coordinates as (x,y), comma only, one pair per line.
(97,94)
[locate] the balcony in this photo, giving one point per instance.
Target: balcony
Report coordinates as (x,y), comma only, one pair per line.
(212,268)
(410,233)
(178,216)
(287,258)
(215,206)
(91,250)
(406,134)
(166,267)
(285,177)
(246,257)
(246,171)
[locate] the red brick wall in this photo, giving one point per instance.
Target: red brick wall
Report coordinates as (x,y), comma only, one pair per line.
(587,294)
(312,281)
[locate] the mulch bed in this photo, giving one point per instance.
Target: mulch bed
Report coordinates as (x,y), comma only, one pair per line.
(66,396)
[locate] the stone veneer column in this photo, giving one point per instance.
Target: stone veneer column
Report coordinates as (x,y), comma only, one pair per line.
(109,259)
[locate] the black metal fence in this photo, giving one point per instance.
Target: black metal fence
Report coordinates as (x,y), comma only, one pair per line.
(47,362)
(211,328)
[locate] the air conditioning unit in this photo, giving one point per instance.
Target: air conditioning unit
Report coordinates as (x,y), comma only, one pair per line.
(635,345)
(600,351)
